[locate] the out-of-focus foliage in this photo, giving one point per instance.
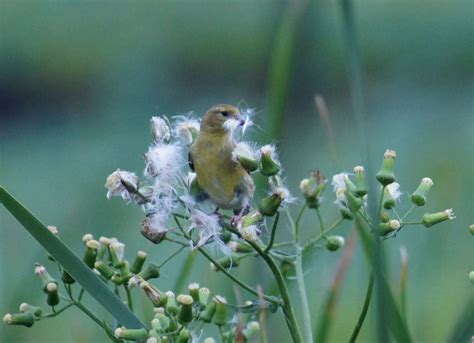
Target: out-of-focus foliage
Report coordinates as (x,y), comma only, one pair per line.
(79,82)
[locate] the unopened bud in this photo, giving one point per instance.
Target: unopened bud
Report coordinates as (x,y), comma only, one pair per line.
(226,262)
(385,217)
(138,262)
(419,196)
(390,226)
(52,294)
(246,156)
(171,305)
(207,314)
(193,289)
(186,310)
(334,243)
(204,295)
(87,237)
(43,275)
(386,175)
(220,316)
(353,202)
(90,255)
(26,319)
(240,247)
(361,187)
(391,195)
(131,334)
(152,271)
(269,205)
(430,219)
(116,252)
(471,276)
(269,164)
(104,269)
(471,229)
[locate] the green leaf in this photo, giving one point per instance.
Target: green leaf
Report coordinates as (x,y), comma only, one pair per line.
(71,262)
(395,322)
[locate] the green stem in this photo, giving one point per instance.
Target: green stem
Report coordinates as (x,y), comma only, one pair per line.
(54,314)
(129,297)
(297,223)
(321,224)
(365,308)
(224,270)
(316,239)
(304,298)
(286,305)
(185,271)
(272,236)
(408,212)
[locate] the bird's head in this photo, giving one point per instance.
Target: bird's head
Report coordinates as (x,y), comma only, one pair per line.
(221,118)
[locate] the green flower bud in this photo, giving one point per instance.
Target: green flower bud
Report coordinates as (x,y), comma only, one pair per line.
(105,270)
(67,278)
(385,217)
(52,294)
(251,329)
(240,247)
(269,164)
(430,219)
(117,279)
(193,289)
(90,255)
(152,271)
(164,321)
(138,262)
(361,188)
(471,229)
(184,336)
(220,316)
(171,305)
(207,314)
(209,340)
(186,310)
(334,243)
(346,213)
(154,337)
(226,262)
(386,176)
(204,295)
(389,226)
(104,247)
(419,196)
(165,339)
(37,311)
(269,205)
(116,252)
(246,156)
(157,297)
(471,276)
(312,188)
(391,195)
(131,334)
(125,270)
(44,276)
(26,319)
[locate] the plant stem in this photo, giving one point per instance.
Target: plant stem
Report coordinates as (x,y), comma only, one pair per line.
(316,239)
(365,308)
(286,304)
(222,269)
(185,270)
(272,236)
(300,281)
(321,224)
(129,297)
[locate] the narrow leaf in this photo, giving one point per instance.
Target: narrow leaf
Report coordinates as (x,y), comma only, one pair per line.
(397,326)
(70,262)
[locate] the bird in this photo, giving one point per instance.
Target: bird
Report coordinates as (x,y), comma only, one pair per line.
(224,180)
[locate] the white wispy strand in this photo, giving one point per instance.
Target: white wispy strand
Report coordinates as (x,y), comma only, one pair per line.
(183,128)
(118,248)
(156,222)
(394,190)
(339,187)
(209,228)
(284,195)
(163,161)
(115,187)
(251,232)
(247,115)
(270,150)
(450,213)
(247,150)
(231,124)
(160,129)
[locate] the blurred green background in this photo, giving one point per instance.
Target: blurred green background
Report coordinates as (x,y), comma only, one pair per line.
(80,80)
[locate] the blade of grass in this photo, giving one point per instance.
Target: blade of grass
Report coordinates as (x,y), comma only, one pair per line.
(397,326)
(326,119)
(70,262)
(403,280)
(464,327)
(333,293)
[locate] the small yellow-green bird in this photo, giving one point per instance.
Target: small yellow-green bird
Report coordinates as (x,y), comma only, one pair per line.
(224,180)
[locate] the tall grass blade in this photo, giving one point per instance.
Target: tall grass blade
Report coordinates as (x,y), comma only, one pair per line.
(70,262)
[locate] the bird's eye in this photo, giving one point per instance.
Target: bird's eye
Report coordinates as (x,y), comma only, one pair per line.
(225,113)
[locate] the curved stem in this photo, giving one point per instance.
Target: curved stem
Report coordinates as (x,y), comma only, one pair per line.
(316,239)
(304,298)
(286,305)
(321,224)
(272,236)
(297,223)
(365,308)
(129,297)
